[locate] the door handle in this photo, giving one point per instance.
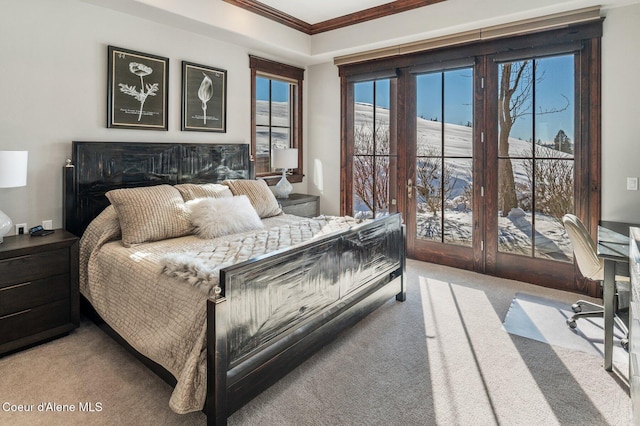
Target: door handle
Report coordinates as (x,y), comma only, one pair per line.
(409,188)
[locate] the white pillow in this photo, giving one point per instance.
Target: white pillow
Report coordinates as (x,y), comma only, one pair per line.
(215,217)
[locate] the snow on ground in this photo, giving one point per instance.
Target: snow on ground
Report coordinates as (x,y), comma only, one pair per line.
(515,231)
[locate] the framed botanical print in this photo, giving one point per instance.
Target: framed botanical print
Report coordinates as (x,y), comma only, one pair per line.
(204,98)
(138,92)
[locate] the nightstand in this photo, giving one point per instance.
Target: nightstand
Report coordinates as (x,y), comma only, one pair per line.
(39,296)
(301,205)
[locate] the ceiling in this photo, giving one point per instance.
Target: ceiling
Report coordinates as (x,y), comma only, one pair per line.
(313,16)
(230,22)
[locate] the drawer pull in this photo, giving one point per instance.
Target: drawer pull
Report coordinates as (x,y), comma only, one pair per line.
(11,287)
(15,314)
(25,256)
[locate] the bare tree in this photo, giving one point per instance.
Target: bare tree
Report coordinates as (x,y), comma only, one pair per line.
(434,183)
(554,183)
(371,166)
(512,104)
(514,101)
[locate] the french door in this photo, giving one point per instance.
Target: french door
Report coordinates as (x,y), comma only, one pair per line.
(482,154)
(530,164)
(442,213)
(490,198)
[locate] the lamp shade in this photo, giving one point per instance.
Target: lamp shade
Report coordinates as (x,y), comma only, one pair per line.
(13,168)
(284,158)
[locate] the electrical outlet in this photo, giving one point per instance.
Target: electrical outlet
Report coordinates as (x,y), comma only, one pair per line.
(47,224)
(21,228)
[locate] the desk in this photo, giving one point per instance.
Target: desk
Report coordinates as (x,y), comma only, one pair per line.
(613,248)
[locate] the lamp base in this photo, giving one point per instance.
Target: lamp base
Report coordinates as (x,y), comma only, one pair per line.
(5,225)
(283,188)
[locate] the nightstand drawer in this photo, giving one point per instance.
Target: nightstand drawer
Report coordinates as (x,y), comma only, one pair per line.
(32,321)
(18,297)
(301,205)
(303,209)
(33,266)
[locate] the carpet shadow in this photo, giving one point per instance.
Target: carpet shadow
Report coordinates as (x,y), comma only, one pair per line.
(543,387)
(374,373)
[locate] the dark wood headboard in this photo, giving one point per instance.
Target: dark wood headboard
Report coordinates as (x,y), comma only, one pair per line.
(98,167)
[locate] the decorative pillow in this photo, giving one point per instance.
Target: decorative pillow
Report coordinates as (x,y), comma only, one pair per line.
(191,191)
(259,194)
(150,214)
(215,217)
(104,227)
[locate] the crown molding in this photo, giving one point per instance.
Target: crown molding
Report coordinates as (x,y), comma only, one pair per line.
(330,24)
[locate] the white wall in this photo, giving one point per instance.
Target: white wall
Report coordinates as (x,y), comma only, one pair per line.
(323,142)
(444,18)
(53,84)
(620,114)
(620,121)
(53,57)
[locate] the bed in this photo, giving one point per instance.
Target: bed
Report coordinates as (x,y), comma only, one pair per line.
(220,318)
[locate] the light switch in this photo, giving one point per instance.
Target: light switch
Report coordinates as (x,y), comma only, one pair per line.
(632,184)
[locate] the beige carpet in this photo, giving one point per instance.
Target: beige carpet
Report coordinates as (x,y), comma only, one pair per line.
(442,357)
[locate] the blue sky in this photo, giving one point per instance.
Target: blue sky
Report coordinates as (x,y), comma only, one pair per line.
(555,76)
(279,90)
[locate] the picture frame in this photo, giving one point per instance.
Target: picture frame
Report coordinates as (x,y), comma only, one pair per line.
(204,98)
(138,93)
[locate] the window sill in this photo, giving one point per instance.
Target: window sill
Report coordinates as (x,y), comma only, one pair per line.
(274,179)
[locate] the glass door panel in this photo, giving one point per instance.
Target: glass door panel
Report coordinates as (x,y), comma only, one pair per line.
(458,211)
(536,106)
(443,184)
(374,152)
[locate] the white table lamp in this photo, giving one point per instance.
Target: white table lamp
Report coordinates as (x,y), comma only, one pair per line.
(13,173)
(284,158)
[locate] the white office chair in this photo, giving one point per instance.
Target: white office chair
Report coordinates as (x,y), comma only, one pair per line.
(592,268)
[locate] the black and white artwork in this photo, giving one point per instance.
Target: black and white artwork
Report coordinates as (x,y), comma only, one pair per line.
(138,93)
(204,98)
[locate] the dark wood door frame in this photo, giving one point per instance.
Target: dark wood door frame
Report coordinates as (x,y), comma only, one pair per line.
(587,132)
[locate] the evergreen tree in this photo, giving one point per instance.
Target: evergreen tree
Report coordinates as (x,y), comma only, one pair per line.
(562,142)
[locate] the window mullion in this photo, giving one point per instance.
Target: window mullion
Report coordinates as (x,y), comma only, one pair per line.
(534,160)
(442,156)
(373,147)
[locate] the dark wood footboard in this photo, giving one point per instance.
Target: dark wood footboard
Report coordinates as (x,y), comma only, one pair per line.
(275,311)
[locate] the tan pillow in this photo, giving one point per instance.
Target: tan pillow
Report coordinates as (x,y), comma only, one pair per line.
(150,214)
(258,193)
(191,191)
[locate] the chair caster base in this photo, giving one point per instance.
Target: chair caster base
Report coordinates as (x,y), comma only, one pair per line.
(625,344)
(571,323)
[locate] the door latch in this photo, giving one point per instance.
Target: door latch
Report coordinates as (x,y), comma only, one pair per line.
(409,188)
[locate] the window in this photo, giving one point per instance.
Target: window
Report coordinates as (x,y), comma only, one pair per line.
(276,111)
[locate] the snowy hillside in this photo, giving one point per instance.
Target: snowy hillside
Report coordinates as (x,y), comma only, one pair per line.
(515,232)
